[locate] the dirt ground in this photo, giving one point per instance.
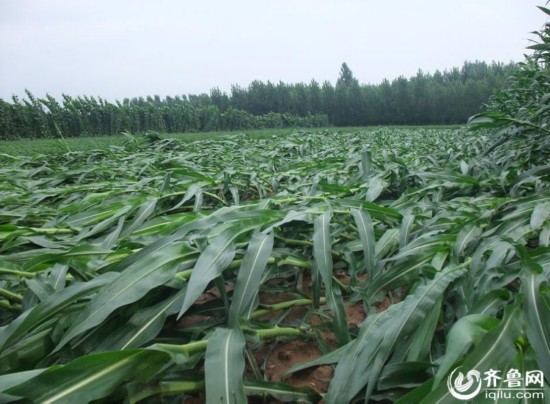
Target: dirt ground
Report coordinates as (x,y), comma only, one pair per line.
(275,357)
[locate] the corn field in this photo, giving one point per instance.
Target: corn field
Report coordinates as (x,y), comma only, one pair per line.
(168,271)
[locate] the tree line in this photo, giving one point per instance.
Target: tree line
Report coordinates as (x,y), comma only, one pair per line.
(86,116)
(447,97)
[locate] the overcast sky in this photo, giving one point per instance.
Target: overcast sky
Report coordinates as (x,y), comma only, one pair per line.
(125,48)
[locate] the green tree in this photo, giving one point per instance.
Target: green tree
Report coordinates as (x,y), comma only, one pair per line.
(349,104)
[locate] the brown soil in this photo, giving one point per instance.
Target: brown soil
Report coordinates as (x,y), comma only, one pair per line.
(289,353)
(275,357)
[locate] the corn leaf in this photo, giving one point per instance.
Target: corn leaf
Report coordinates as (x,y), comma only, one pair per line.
(536,312)
(132,284)
(363,360)
(90,377)
(322,248)
(50,307)
(366,233)
(496,350)
(224,367)
(250,274)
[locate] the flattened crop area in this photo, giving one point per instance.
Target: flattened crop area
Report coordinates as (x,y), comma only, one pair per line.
(364,265)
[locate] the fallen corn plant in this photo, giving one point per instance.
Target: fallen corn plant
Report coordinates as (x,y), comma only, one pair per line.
(190,270)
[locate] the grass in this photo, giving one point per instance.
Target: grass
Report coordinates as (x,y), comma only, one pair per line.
(187,267)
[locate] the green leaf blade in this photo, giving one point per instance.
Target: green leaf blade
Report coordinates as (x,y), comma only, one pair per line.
(90,377)
(224,367)
(250,273)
